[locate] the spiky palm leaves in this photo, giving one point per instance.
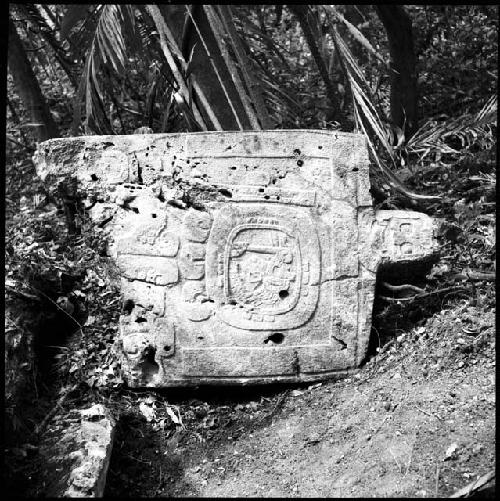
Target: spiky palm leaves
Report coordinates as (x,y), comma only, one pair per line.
(434,137)
(112,25)
(253,71)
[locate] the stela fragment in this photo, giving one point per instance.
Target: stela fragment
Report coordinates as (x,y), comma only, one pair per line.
(244,257)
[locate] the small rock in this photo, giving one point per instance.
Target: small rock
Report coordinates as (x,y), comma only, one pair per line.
(313,438)
(451,452)
(253,406)
(317,385)
(477,448)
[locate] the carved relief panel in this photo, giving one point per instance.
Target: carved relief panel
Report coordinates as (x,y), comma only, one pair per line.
(244,257)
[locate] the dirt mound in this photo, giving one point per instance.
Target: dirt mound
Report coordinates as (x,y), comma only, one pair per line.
(417,420)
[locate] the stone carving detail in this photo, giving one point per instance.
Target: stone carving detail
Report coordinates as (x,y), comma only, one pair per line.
(192,261)
(245,257)
(260,267)
(242,193)
(154,269)
(197,225)
(195,303)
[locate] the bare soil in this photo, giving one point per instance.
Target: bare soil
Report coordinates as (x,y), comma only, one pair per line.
(418,420)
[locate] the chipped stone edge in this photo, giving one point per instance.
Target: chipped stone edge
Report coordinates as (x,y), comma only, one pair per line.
(96,433)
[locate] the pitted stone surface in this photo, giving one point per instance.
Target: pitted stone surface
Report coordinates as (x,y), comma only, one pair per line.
(246,257)
(76,451)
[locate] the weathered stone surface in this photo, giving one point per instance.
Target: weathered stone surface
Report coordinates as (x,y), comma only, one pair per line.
(246,257)
(96,432)
(77,450)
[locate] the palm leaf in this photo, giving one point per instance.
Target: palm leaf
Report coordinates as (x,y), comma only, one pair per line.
(468,128)
(220,37)
(107,49)
(368,119)
(73,15)
(356,33)
(244,64)
(488,113)
(177,66)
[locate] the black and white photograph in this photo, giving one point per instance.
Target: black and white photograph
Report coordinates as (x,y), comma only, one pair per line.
(250,250)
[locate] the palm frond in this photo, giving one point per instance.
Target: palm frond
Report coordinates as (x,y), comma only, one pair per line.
(356,34)
(178,67)
(217,71)
(303,13)
(269,68)
(488,113)
(244,64)
(107,49)
(369,121)
(433,136)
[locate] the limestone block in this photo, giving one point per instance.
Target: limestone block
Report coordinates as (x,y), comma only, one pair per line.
(76,450)
(154,269)
(246,257)
(95,433)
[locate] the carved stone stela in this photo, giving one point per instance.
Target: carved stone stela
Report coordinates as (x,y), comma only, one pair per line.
(245,257)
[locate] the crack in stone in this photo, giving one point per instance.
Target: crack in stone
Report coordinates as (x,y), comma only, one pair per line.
(344,345)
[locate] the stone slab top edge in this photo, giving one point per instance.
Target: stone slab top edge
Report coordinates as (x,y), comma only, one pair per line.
(216,132)
(54,156)
(318,157)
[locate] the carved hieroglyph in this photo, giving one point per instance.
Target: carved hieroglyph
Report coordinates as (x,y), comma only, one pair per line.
(245,257)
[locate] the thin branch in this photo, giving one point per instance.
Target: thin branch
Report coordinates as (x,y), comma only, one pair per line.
(57,306)
(429,413)
(403,287)
(438,291)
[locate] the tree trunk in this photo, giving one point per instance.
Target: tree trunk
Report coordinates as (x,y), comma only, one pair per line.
(403,69)
(302,12)
(30,11)
(202,69)
(28,88)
